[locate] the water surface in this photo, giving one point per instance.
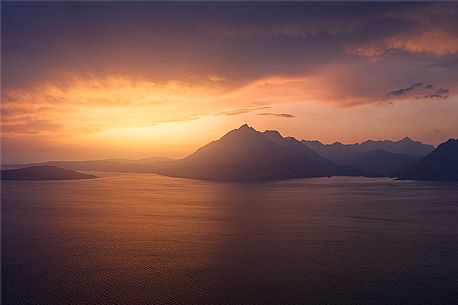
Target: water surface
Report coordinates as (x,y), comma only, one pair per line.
(148,239)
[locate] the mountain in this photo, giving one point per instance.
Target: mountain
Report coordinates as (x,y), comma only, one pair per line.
(43,173)
(337,152)
(245,154)
(439,165)
(379,162)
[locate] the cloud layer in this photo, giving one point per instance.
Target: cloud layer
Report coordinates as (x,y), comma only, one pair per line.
(70,72)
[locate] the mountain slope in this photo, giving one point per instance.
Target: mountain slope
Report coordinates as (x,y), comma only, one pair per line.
(440,165)
(43,173)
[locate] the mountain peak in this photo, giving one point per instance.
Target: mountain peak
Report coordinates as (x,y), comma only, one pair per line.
(407,139)
(243,131)
(245,126)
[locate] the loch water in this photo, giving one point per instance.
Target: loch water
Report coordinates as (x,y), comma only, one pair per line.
(149,239)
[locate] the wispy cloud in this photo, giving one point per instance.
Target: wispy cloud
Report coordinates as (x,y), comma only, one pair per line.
(278,115)
(242,110)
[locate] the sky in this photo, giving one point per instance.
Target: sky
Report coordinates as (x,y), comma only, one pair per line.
(85,80)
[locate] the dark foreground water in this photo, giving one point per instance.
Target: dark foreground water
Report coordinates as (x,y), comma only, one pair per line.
(144,239)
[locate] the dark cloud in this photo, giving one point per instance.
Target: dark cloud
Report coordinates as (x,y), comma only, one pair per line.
(439,93)
(427,91)
(403,91)
(278,115)
(241,42)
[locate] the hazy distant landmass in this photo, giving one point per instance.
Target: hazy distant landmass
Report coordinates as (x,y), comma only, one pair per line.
(441,165)
(108,165)
(43,172)
(138,161)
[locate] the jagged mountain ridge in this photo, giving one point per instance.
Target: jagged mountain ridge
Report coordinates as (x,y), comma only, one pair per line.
(337,151)
(380,158)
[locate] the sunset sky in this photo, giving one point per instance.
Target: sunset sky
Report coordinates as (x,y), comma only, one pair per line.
(116,79)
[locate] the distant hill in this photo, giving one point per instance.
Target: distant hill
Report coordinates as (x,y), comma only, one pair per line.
(439,165)
(337,152)
(44,172)
(245,154)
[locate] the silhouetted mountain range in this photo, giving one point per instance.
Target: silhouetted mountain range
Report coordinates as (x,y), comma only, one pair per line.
(43,172)
(377,157)
(245,154)
(337,151)
(441,165)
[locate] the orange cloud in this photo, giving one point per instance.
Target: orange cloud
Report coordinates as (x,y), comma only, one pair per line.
(94,104)
(79,106)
